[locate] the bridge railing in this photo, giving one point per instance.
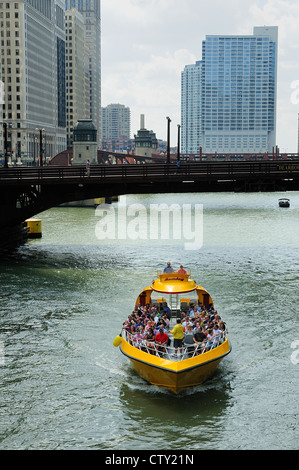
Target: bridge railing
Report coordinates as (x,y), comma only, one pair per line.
(36,175)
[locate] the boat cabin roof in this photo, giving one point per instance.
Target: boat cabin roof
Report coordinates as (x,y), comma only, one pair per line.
(173,283)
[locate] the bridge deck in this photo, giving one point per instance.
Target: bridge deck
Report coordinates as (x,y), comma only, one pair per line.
(195,171)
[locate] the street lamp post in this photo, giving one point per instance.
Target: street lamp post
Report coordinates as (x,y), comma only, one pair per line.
(168,139)
(5,145)
(179,141)
(41,150)
(41,147)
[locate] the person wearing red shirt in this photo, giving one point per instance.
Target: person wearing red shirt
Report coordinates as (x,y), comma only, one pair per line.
(182,270)
(161,339)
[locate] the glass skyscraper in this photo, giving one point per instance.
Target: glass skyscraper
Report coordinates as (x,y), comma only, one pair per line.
(229,97)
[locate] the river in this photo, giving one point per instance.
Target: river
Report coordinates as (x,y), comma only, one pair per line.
(64,298)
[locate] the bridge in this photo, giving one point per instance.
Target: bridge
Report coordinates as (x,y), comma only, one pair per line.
(110,157)
(27,191)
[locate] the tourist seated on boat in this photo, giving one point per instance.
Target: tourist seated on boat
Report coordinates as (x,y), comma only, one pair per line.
(196,326)
(166,310)
(166,321)
(151,324)
(138,337)
(150,341)
(131,333)
(199,339)
(209,339)
(183,315)
(214,337)
(222,326)
(191,313)
(138,322)
(182,270)
(197,316)
(194,309)
(210,325)
(126,325)
(130,317)
(168,268)
(212,316)
(217,316)
(188,340)
(152,311)
(161,340)
(217,334)
(210,309)
(159,308)
(139,309)
(206,319)
(186,322)
(141,329)
(133,317)
(161,324)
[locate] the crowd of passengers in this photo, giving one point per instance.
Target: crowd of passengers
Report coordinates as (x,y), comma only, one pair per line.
(199,329)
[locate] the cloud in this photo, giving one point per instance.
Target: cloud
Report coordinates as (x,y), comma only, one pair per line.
(147,43)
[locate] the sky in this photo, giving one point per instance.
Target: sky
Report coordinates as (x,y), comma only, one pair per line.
(147,43)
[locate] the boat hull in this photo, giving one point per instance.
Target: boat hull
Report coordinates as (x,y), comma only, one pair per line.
(284,202)
(175,375)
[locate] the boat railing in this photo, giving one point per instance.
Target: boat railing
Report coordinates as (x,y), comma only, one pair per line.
(188,350)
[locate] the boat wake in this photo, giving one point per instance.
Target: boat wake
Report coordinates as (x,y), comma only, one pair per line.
(112,368)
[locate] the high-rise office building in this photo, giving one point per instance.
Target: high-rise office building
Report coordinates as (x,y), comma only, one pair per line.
(91,11)
(33,72)
(116,121)
(77,77)
(191,108)
(229,97)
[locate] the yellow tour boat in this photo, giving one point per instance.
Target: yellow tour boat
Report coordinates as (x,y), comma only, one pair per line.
(175,368)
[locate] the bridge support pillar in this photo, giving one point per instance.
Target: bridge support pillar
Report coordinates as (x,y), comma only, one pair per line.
(12,236)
